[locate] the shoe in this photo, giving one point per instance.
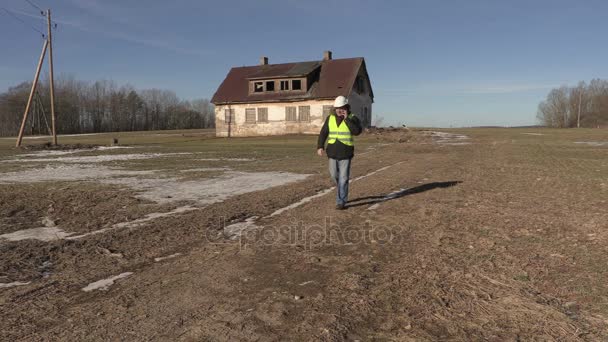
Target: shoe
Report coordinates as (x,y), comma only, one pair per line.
(340,207)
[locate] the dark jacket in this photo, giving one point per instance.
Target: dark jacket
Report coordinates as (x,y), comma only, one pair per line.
(338,150)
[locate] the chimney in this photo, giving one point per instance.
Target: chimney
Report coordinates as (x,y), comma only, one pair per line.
(263,60)
(327,55)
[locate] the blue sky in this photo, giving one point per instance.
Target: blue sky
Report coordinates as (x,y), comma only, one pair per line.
(432,63)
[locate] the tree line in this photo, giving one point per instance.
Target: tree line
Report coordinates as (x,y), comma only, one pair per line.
(585,105)
(101,106)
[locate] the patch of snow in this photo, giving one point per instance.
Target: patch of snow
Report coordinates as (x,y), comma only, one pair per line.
(302,201)
(203,169)
(372,148)
(593,143)
(153,216)
(104,284)
(75,172)
(161,190)
(49,137)
(51,233)
(167,257)
(47,233)
(206,191)
(456,143)
(134,223)
(392,195)
(445,138)
(234,230)
(50,153)
(106,148)
(98,159)
(42,234)
(227,159)
(47,222)
(374,172)
(15,283)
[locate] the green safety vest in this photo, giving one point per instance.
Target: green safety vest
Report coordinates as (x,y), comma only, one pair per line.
(341,132)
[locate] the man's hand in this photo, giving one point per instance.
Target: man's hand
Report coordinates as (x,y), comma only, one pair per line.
(320,152)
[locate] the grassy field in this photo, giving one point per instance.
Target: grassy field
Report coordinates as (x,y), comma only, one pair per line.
(468,234)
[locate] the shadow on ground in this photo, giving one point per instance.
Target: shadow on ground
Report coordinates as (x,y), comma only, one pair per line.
(369,200)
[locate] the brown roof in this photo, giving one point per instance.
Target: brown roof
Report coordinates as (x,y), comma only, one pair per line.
(336,78)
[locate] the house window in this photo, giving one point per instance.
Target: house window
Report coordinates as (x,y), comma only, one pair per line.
(327,111)
(285,85)
(250,115)
(262,114)
(304,113)
(258,87)
(229,115)
(269,85)
(290,114)
(296,84)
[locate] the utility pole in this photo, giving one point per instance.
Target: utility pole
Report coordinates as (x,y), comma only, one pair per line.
(48,43)
(51,79)
(580,99)
(32,91)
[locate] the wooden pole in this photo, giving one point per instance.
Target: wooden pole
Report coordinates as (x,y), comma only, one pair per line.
(29,100)
(580,99)
(51,79)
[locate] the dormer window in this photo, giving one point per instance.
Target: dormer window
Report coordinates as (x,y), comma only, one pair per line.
(258,87)
(278,85)
(296,85)
(269,85)
(285,85)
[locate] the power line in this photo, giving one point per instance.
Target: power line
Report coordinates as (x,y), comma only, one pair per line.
(42,12)
(35,6)
(23,22)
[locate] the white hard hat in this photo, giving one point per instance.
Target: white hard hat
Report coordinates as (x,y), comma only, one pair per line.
(340,101)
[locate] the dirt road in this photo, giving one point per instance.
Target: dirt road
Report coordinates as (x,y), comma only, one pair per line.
(476,235)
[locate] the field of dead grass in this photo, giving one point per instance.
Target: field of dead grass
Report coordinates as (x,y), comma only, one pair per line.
(451,234)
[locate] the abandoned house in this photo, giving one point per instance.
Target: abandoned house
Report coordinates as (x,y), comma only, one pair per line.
(290,98)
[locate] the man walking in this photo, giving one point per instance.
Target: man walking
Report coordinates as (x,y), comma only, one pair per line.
(338,130)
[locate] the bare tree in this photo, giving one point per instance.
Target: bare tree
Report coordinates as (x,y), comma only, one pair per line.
(584,104)
(102,106)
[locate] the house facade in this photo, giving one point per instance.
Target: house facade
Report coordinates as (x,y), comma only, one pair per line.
(290,98)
